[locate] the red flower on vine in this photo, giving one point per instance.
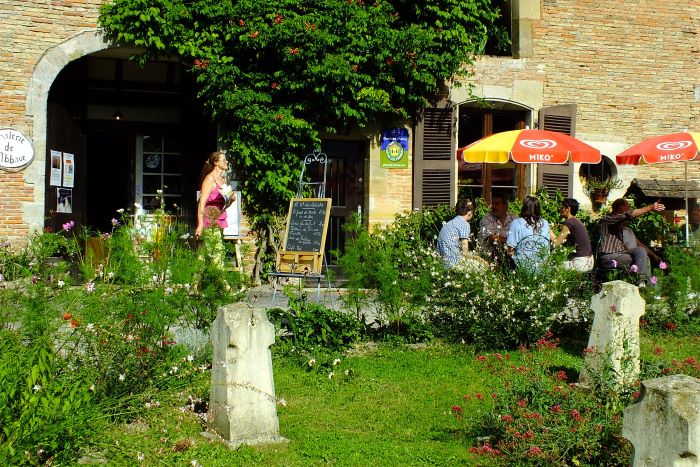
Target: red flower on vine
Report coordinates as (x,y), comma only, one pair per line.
(278,117)
(241,22)
(201,64)
(390,61)
(253,35)
(293,50)
(278,19)
(273,85)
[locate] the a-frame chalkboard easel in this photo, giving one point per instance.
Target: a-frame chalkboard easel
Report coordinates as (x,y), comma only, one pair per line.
(303,249)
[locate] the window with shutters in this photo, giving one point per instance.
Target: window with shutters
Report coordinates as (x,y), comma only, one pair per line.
(553,177)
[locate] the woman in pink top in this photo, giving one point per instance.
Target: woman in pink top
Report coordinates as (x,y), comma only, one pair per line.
(211,214)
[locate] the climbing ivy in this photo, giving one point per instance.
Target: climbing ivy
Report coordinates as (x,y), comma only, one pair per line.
(277,74)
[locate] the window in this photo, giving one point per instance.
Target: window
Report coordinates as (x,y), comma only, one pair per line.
(158,167)
(481,180)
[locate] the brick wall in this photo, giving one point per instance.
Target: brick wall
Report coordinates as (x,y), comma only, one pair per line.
(29,29)
(631,68)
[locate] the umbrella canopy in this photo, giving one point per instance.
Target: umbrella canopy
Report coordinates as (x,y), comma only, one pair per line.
(529,147)
(672,147)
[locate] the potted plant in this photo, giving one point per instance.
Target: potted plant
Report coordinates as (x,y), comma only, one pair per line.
(598,187)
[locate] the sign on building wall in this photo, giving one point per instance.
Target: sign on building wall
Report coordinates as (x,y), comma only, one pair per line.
(394,149)
(16,151)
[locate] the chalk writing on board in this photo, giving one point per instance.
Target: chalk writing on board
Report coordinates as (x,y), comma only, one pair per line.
(307,225)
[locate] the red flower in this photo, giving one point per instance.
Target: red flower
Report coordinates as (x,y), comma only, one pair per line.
(457,409)
(241,22)
(75,323)
(278,117)
(273,85)
(479,396)
(48,229)
(658,351)
(293,50)
(534,451)
(576,415)
(671,326)
(355,68)
(253,35)
(522,403)
(560,375)
(481,358)
(507,418)
(390,61)
(643,322)
(278,19)
(588,350)
(67,316)
(528,435)
(555,409)
(635,394)
(201,64)
(690,361)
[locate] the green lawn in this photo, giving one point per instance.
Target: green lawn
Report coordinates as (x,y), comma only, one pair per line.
(394,409)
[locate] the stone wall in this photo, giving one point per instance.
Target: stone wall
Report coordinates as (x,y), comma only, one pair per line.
(29,30)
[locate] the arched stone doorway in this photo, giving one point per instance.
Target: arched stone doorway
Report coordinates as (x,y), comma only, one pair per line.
(132,132)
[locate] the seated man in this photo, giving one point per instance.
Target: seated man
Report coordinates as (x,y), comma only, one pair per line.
(619,245)
(574,234)
(453,241)
(493,228)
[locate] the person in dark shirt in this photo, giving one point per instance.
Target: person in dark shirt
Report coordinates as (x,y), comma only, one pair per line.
(574,234)
(619,245)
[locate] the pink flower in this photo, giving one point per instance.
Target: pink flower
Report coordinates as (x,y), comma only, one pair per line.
(653,280)
(534,451)
(662,265)
(634,268)
(115,222)
(68,225)
(614,263)
(457,409)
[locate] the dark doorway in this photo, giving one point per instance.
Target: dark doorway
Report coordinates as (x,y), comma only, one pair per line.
(344,186)
(109,185)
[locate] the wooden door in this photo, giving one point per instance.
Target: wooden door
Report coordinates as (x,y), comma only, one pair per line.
(345,187)
(65,135)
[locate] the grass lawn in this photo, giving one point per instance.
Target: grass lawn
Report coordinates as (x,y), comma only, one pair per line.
(394,409)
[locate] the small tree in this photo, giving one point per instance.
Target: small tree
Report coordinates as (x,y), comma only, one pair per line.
(276,74)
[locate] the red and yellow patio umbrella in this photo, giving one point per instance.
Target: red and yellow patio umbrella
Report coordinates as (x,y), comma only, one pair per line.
(672,147)
(529,147)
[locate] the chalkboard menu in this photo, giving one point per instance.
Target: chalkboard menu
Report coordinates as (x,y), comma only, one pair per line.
(307,223)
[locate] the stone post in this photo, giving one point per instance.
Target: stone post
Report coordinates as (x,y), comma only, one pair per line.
(664,424)
(243,407)
(612,356)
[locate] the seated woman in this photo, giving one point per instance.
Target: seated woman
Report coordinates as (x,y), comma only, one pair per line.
(528,236)
(574,234)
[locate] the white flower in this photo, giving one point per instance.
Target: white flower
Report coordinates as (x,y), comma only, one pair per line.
(168,290)
(138,206)
(89,287)
(173,370)
(140,456)
(129,338)
(159,192)
(336,362)
(190,358)
(90,326)
(120,210)
(60,283)
(312,362)
(330,375)
(194,463)
(154,278)
(110,274)
(36,387)
(122,377)
(185,236)
(282,402)
(92,387)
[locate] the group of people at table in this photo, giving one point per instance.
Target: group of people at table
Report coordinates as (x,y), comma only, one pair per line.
(524,241)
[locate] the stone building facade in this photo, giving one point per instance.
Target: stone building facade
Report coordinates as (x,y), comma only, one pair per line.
(623,72)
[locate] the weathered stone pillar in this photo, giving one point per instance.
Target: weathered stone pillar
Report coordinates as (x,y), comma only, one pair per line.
(613,346)
(243,407)
(664,424)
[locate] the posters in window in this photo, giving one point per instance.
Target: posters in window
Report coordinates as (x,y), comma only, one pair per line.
(64,200)
(68,169)
(56,164)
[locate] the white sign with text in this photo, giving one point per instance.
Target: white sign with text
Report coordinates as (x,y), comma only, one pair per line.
(16,151)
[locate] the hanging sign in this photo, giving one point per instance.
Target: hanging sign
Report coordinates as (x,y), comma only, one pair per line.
(16,151)
(394,149)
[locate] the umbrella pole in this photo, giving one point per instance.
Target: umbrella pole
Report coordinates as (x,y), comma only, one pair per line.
(687,229)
